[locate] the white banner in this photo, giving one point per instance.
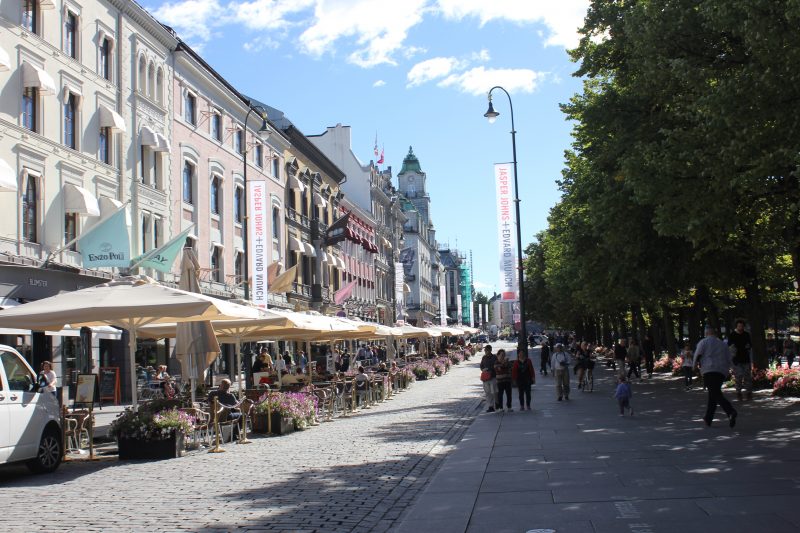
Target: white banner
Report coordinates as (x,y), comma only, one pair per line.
(458,305)
(505,232)
(485,313)
(442,306)
(259,241)
(399,298)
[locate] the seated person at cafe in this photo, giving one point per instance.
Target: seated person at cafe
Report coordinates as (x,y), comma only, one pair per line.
(361,376)
(293,379)
(263,362)
(226,400)
(162,373)
(382,368)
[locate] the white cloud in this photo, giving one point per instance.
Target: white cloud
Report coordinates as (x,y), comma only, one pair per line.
(479,80)
(411,51)
(482,56)
(431,69)
(192,19)
(379,83)
(264,42)
(269,14)
(562,18)
(479,285)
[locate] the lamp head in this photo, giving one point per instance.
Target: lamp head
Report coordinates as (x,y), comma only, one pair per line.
(264,130)
(491,115)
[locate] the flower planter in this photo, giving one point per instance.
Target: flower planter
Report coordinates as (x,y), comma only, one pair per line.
(259,421)
(281,425)
(169,448)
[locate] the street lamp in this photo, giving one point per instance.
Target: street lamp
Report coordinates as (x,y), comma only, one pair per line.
(263,133)
(491,115)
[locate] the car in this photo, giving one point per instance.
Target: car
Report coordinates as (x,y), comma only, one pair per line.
(482,338)
(538,340)
(30,422)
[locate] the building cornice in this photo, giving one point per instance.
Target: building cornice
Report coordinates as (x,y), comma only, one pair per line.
(141,16)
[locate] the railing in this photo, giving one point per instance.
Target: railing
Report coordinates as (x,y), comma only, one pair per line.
(302,289)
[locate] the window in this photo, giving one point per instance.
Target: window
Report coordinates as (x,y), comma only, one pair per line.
(216,126)
(276,223)
(30,16)
(157,231)
(188,176)
(105,145)
(151,76)
(276,167)
(19,377)
(238,266)
(70,229)
(105,58)
(142,76)
(160,86)
(238,141)
(30,215)
(292,201)
(30,103)
(189,103)
(146,235)
(238,205)
(258,155)
(216,268)
(304,202)
(70,129)
(71,35)
(215,195)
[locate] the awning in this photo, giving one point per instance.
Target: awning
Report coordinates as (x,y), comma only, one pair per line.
(386,243)
(5,61)
(323,256)
(98,332)
(295,245)
(111,119)
(308,249)
(33,76)
(340,262)
(295,183)
(163,144)
(79,200)
(148,137)
(406,288)
(319,201)
(8,178)
(108,205)
(72,89)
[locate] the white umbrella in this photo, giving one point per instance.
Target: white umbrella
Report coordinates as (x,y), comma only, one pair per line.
(128,303)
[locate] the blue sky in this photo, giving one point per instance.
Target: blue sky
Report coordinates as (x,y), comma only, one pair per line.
(415,72)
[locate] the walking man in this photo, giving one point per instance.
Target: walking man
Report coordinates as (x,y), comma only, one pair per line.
(545,357)
(739,344)
(490,385)
(620,354)
(560,367)
(714,358)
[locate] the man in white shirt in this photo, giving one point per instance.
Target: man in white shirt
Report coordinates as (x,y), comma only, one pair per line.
(559,362)
(714,358)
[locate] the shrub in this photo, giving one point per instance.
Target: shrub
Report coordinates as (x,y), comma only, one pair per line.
(787,385)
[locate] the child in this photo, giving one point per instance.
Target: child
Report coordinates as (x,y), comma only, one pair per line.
(687,365)
(623,395)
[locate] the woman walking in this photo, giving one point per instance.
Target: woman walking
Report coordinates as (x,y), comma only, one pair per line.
(489,378)
(688,365)
(522,374)
(502,369)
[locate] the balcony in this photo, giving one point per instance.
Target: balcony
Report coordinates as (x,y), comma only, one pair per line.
(301,289)
(298,219)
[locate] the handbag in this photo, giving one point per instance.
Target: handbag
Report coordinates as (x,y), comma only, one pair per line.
(486,375)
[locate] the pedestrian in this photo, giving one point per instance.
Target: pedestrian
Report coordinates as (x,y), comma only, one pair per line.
(502,370)
(47,378)
(634,358)
(560,366)
(489,378)
(522,374)
(623,395)
(739,343)
(620,354)
(649,351)
(714,358)
(687,365)
(545,357)
(788,351)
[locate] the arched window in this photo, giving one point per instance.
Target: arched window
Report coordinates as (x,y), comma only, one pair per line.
(142,75)
(70,127)
(30,215)
(151,77)
(238,204)
(276,223)
(215,195)
(105,58)
(188,182)
(160,86)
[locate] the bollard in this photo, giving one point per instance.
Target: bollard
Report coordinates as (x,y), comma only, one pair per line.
(269,412)
(243,432)
(63,432)
(217,448)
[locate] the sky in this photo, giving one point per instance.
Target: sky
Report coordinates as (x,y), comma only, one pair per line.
(414,73)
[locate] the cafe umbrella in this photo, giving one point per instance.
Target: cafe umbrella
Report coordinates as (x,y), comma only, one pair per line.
(128,303)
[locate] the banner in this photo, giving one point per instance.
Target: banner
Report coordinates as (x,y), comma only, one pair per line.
(458,306)
(162,258)
(442,306)
(259,241)
(399,299)
(505,232)
(109,243)
(344,293)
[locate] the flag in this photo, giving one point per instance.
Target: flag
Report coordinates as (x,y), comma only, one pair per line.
(273,271)
(284,282)
(108,244)
(376,144)
(162,258)
(380,161)
(344,293)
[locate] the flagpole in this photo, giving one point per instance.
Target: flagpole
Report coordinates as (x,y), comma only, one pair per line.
(154,251)
(84,234)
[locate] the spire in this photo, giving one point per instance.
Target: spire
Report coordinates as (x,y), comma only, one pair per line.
(410,163)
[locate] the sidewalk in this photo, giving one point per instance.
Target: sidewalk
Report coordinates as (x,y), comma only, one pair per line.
(577,466)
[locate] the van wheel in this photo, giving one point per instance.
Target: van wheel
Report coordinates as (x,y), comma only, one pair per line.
(49,454)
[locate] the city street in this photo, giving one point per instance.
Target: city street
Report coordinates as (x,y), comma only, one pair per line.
(353,474)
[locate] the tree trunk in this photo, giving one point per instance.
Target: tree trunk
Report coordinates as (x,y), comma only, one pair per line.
(607,337)
(757,337)
(694,318)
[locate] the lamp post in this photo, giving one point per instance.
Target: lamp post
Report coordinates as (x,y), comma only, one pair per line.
(263,132)
(491,115)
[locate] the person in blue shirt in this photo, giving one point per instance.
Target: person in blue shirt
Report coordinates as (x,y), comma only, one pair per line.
(623,395)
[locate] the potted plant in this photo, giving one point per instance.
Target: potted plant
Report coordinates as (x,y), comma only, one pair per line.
(144,434)
(289,411)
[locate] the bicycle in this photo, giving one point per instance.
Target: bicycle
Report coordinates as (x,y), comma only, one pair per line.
(587,383)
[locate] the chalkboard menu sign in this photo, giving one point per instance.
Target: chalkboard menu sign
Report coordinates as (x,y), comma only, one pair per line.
(109,384)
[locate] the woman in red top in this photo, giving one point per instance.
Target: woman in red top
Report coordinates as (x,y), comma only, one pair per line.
(523,376)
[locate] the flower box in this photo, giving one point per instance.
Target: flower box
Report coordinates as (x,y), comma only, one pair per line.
(281,425)
(168,448)
(259,421)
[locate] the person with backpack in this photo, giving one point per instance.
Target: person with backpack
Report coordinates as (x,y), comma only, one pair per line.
(522,374)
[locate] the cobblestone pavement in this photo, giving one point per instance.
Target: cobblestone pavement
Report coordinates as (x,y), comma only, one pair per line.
(353,474)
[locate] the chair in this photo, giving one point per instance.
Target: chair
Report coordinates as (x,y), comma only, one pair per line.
(77,434)
(201,423)
(363,393)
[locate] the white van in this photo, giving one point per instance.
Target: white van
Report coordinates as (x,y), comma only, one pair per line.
(30,428)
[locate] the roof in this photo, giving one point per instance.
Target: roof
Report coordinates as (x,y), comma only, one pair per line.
(410,163)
